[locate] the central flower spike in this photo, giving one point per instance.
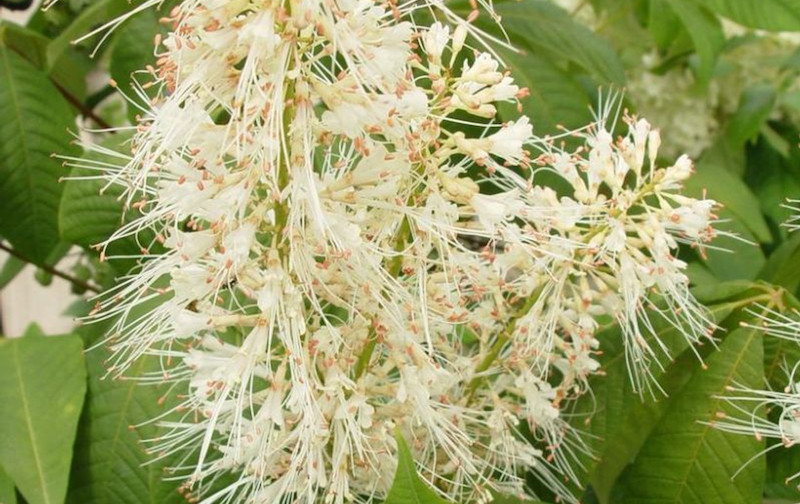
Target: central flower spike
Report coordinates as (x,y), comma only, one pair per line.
(347,245)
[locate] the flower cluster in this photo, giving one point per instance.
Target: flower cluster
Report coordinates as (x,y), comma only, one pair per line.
(668,94)
(767,413)
(340,243)
(672,99)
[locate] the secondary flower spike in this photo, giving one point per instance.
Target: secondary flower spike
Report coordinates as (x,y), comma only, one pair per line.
(347,243)
(769,413)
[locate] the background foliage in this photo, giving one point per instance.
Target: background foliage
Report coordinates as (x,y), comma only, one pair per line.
(728,94)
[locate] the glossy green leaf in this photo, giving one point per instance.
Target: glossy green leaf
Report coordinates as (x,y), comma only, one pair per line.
(773,177)
(33,128)
(556,98)
(7,493)
(617,418)
(755,106)
(706,32)
(722,294)
(686,461)
(777,15)
(30,45)
(663,24)
(68,73)
(11,268)
(514,500)
(736,257)
(91,211)
(133,51)
(407,487)
(781,268)
(545,29)
(110,463)
(716,182)
(97,14)
(783,463)
(42,387)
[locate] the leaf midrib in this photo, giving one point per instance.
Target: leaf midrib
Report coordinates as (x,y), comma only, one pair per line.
(118,428)
(22,139)
(28,424)
(684,481)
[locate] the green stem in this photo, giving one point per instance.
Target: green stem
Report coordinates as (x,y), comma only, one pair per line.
(500,343)
(394,268)
(366,355)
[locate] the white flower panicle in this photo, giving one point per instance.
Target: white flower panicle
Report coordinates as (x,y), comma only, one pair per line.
(694,116)
(765,414)
(619,232)
(341,242)
(671,101)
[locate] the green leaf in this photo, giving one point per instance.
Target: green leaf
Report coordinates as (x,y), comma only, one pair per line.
(686,461)
(780,352)
(718,183)
(42,387)
(408,488)
(132,51)
(502,499)
(90,212)
(32,46)
(734,258)
(776,15)
(783,463)
(617,418)
(7,493)
(663,24)
(100,12)
(706,32)
(546,29)
(11,268)
(775,141)
(555,97)
(773,178)
(725,292)
(781,267)
(755,106)
(35,123)
(110,460)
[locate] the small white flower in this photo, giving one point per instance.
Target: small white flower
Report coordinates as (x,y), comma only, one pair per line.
(508,142)
(435,40)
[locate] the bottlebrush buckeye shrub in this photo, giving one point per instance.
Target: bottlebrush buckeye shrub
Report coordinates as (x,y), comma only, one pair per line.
(349,247)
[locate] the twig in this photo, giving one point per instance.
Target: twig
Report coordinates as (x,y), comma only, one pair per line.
(86,111)
(51,270)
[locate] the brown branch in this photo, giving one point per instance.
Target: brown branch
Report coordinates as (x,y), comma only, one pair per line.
(51,270)
(85,111)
